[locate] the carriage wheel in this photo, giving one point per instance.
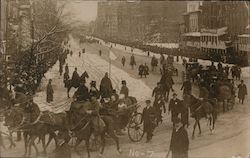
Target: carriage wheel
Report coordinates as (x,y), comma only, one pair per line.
(135,128)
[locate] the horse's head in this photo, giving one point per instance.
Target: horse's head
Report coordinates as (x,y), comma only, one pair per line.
(13,117)
(85,75)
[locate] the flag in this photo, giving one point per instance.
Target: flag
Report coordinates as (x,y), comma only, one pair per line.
(112,55)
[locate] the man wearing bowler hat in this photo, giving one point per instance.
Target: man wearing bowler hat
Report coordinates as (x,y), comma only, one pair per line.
(149,119)
(174,107)
(179,143)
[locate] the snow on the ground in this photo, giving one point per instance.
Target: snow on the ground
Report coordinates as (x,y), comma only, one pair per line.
(97,67)
(245,70)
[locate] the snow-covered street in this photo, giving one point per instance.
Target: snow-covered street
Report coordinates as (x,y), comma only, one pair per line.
(231,127)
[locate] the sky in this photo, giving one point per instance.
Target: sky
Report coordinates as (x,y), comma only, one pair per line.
(82,11)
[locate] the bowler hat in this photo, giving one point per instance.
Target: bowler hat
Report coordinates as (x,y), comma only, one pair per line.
(148,101)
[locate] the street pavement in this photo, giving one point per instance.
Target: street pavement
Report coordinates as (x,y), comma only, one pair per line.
(231,127)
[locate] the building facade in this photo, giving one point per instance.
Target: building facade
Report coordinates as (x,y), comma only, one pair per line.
(220,23)
(139,21)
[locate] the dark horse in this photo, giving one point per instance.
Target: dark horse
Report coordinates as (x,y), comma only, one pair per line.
(167,84)
(35,124)
(83,128)
(201,109)
(76,82)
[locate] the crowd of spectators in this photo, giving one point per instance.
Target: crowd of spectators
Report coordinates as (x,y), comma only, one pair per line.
(231,57)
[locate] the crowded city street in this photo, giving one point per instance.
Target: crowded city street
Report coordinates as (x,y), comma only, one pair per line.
(91,96)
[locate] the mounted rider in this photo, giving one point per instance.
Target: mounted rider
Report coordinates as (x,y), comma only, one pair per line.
(186,87)
(158,91)
(75,78)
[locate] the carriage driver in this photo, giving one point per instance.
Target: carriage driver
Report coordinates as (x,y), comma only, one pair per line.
(82,93)
(95,119)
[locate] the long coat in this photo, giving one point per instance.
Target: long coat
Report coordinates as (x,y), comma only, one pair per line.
(50,93)
(149,118)
(242,91)
(125,91)
(82,93)
(106,87)
(66,79)
(175,108)
(179,143)
(75,79)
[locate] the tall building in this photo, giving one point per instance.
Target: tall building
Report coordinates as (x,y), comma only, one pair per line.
(3,20)
(141,21)
(220,23)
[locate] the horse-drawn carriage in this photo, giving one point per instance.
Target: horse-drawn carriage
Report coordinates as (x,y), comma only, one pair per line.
(218,86)
(124,116)
(192,70)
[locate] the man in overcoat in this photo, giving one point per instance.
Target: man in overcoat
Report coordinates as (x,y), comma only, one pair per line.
(149,120)
(174,107)
(242,91)
(106,87)
(179,143)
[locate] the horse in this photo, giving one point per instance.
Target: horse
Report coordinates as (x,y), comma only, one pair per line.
(225,94)
(201,109)
(83,128)
(167,83)
(76,83)
(35,124)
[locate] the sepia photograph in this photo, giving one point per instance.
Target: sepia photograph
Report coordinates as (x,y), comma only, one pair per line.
(124,79)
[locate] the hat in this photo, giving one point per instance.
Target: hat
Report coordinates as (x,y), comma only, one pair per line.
(176,120)
(93,83)
(174,94)
(148,101)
